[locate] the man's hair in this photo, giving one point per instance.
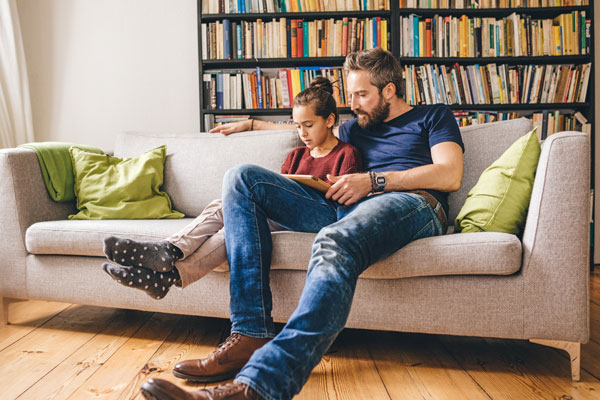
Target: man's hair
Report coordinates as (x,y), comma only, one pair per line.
(382,66)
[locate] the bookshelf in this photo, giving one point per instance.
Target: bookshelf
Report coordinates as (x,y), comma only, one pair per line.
(306,63)
(394,16)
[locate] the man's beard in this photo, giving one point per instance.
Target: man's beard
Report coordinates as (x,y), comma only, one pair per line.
(375,117)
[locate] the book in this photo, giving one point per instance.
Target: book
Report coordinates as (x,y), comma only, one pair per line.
(309,180)
(227,40)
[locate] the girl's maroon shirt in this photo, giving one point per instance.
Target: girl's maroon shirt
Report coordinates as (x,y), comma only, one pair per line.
(342,159)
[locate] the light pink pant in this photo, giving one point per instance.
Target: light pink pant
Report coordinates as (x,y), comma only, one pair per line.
(202,243)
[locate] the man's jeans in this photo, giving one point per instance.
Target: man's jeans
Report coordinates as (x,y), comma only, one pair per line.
(349,239)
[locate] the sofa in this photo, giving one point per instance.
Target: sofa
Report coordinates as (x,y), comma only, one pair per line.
(486,284)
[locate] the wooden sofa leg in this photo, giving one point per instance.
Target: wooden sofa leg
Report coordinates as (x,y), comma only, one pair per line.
(574,350)
(4,310)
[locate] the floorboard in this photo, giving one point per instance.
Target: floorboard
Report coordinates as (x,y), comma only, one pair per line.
(61,351)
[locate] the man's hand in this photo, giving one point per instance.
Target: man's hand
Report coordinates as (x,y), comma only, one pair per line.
(348,189)
(232,127)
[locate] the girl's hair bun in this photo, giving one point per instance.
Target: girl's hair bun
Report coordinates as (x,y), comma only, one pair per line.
(319,96)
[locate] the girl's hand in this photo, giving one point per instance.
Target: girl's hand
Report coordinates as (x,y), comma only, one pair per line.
(348,189)
(232,127)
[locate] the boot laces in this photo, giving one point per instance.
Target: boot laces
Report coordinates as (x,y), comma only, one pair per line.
(230,341)
(227,388)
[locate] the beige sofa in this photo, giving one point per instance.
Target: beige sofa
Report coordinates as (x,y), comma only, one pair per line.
(475,284)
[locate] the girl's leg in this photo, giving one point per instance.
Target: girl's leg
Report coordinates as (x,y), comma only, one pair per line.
(208,223)
(161,256)
(154,284)
(195,250)
(208,257)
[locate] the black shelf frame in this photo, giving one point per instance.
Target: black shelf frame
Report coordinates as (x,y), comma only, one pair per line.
(461,107)
(339,61)
(541,12)
(275,62)
(572,59)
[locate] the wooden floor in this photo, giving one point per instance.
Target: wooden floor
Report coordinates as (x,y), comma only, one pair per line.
(63,351)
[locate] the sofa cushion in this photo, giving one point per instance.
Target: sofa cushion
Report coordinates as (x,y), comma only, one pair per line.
(487,253)
(500,199)
(196,162)
(109,187)
(483,144)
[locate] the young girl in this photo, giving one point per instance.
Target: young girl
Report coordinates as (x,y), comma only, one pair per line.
(198,248)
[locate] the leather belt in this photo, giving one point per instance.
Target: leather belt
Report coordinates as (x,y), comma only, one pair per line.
(435,204)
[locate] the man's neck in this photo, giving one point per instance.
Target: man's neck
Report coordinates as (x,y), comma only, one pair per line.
(397,108)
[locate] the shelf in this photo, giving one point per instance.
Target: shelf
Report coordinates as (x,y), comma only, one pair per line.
(276,62)
(291,15)
(541,12)
(213,66)
(263,111)
(339,61)
(474,107)
(517,107)
(574,59)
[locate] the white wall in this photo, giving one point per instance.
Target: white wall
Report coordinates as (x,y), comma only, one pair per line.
(97,68)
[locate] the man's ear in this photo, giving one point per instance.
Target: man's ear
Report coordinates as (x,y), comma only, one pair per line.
(389,91)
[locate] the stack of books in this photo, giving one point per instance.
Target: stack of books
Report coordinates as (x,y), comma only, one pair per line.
(285,38)
(513,36)
(258,90)
(496,84)
(262,6)
(489,3)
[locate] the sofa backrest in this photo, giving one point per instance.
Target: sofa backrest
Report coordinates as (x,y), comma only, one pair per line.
(484,143)
(196,162)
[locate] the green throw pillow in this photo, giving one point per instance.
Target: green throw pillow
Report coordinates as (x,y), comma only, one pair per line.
(108,187)
(499,200)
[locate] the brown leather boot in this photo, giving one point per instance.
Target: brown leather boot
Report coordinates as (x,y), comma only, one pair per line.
(224,363)
(159,389)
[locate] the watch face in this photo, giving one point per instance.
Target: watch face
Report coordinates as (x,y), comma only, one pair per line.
(380,180)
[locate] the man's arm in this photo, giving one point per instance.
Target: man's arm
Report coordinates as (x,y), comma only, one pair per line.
(445,174)
(250,124)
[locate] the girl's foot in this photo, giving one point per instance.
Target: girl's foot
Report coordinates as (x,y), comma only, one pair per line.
(154,284)
(157,256)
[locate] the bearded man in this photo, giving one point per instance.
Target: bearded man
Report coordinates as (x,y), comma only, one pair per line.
(413,157)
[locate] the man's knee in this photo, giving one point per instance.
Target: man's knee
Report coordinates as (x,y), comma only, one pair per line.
(339,247)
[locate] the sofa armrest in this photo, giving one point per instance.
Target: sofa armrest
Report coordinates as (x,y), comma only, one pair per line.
(25,201)
(556,242)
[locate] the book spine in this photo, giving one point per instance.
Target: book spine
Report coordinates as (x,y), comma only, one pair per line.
(219,92)
(259,87)
(416,36)
(344,36)
(428,38)
(227,39)
(293,38)
(305,40)
(299,39)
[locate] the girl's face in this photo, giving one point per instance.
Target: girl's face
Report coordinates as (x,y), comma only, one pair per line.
(312,129)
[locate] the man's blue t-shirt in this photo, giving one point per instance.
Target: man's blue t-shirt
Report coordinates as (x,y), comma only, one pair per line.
(404,142)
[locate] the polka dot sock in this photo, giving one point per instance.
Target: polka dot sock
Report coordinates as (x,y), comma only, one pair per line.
(157,256)
(154,284)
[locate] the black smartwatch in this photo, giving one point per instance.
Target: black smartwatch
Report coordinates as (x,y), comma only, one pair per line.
(379,182)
